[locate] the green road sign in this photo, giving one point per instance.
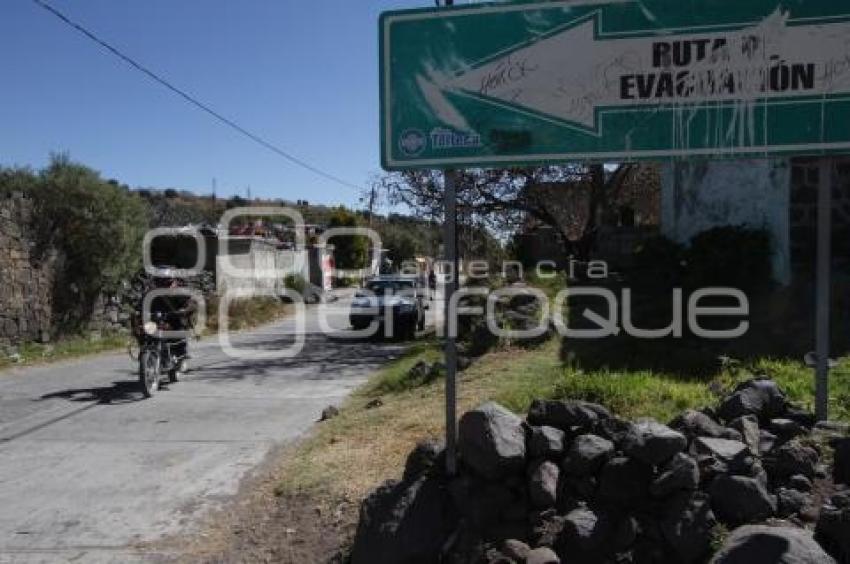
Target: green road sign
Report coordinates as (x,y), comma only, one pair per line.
(537,82)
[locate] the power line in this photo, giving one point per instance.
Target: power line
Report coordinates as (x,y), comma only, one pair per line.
(194,101)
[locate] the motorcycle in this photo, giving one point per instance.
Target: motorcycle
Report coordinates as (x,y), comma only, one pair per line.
(159,356)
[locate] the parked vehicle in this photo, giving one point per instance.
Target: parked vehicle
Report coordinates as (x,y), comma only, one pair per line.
(402,300)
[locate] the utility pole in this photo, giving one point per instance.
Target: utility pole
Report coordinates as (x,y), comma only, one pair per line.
(213,190)
(372,196)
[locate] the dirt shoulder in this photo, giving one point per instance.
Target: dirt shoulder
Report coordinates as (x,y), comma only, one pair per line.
(263,525)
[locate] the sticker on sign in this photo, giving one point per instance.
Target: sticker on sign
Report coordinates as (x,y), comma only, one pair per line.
(541,82)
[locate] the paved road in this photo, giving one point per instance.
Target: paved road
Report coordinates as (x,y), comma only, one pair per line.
(88,469)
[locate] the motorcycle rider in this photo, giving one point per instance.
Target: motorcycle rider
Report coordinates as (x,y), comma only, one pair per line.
(177,310)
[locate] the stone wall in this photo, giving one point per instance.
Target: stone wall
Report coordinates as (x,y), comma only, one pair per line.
(26,277)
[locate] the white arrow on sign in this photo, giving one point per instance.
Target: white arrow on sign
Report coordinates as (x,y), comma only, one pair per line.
(570,74)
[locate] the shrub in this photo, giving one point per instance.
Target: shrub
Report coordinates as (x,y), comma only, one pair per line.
(344,282)
(295,282)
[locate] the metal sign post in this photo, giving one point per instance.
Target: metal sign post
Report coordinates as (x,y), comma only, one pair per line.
(824,259)
(449,289)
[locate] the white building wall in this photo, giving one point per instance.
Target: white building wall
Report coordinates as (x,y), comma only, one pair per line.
(697,196)
(259,269)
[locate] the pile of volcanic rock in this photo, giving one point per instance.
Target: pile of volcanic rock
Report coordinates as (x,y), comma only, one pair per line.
(746,482)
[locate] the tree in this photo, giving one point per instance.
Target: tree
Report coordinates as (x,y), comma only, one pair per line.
(350,251)
(401,244)
(568,198)
(97,226)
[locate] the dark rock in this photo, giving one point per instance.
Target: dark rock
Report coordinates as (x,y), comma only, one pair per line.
(710,468)
(653,443)
(786,429)
(613,428)
(403,523)
(515,550)
(738,499)
(760,397)
(579,487)
(722,449)
(566,415)
(680,473)
(542,555)
(625,534)
(483,504)
(841,499)
(790,502)
(833,527)
(374,404)
(624,481)
(792,458)
(491,441)
(546,442)
(543,484)
(800,483)
(841,469)
(801,416)
(587,454)
(517,510)
(761,544)
(585,530)
(686,526)
(329,413)
(422,459)
(767,442)
(494,556)
(693,424)
(748,427)
(546,527)
(757,471)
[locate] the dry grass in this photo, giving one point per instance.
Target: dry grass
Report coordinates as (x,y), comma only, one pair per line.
(247,313)
(351,453)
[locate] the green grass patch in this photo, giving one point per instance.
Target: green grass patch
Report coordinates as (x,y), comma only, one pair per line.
(646,393)
(395,377)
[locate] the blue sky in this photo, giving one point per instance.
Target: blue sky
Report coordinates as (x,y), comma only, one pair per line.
(301,74)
